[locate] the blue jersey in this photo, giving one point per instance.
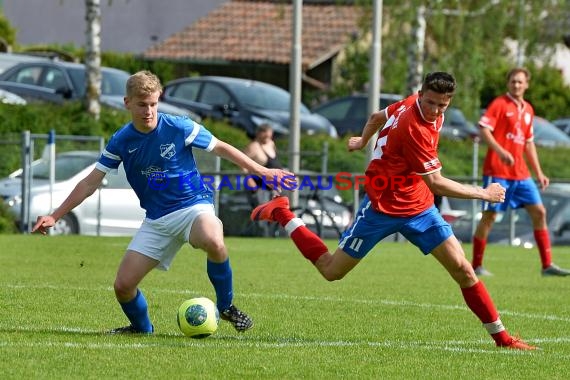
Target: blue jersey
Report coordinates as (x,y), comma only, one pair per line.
(160,166)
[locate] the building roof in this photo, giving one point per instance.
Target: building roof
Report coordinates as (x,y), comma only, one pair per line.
(260,31)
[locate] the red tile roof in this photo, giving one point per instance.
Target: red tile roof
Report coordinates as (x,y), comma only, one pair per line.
(257,31)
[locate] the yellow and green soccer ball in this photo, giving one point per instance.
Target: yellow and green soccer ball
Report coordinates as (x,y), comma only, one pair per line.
(198,317)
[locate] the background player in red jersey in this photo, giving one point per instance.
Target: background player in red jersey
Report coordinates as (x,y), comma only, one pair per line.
(406,148)
(506,127)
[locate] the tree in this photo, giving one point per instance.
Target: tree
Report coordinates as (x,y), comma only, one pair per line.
(93,58)
(7,34)
(465,38)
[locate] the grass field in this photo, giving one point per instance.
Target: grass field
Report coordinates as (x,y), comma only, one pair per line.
(398,315)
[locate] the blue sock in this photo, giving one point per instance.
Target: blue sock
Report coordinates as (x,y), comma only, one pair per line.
(137,312)
(220,275)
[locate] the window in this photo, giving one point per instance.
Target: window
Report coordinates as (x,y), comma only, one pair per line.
(214,95)
(54,79)
(28,75)
(187,91)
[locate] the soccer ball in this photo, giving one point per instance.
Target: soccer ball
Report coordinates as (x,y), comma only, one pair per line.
(198,317)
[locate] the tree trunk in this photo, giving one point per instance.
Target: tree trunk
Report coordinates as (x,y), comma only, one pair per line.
(93,58)
(416,52)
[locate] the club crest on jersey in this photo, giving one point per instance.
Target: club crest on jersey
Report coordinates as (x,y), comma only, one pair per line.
(527,118)
(167,151)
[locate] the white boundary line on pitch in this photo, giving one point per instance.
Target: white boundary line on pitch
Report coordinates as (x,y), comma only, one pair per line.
(403,303)
(279,342)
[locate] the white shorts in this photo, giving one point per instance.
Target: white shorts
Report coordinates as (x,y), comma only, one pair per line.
(162,238)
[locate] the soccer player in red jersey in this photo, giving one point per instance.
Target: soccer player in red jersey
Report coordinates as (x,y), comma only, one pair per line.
(506,127)
(406,148)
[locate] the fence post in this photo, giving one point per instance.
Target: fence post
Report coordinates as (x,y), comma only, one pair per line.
(325,158)
(474,202)
(26,163)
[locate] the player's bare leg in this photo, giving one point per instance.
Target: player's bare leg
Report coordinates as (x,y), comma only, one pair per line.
(335,266)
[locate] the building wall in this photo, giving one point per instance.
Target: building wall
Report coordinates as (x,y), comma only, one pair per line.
(127,25)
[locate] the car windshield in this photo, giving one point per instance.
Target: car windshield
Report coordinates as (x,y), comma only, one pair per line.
(66,166)
(112,82)
(261,96)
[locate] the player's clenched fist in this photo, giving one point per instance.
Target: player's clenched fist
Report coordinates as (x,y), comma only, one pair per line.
(496,193)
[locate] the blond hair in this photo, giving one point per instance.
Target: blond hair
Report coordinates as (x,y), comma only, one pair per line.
(143,83)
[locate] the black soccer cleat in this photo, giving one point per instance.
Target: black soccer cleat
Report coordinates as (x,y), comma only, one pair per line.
(129,330)
(238,318)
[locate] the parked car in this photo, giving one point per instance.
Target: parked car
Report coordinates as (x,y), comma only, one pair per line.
(58,82)
(548,135)
(457,127)
(120,212)
(563,124)
(8,60)
(349,113)
(556,202)
(244,103)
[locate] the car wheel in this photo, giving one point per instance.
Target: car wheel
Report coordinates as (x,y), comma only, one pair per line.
(67,225)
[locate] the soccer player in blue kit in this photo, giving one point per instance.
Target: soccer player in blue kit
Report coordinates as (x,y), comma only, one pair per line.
(156,151)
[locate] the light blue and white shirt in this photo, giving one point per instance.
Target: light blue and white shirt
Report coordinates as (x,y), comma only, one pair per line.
(160,166)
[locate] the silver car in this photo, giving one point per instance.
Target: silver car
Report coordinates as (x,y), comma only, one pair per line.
(113,210)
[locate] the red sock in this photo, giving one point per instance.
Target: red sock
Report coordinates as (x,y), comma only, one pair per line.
(478,251)
(481,304)
(544,248)
(283,216)
(308,243)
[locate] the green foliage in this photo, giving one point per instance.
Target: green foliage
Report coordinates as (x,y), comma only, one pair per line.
(377,323)
(547,92)
(7,32)
(467,39)
(7,221)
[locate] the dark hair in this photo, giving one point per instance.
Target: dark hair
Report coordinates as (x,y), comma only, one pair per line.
(440,82)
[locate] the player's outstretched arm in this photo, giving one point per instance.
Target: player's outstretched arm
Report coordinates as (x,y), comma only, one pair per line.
(440,185)
(82,190)
(231,153)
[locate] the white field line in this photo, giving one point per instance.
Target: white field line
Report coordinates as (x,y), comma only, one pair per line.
(387,302)
(217,342)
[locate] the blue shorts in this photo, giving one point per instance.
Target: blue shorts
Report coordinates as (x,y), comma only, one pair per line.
(519,193)
(426,230)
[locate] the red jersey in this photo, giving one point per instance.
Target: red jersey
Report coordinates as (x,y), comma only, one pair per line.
(511,125)
(406,149)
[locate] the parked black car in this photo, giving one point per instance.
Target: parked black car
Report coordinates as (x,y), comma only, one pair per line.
(349,113)
(57,82)
(244,103)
